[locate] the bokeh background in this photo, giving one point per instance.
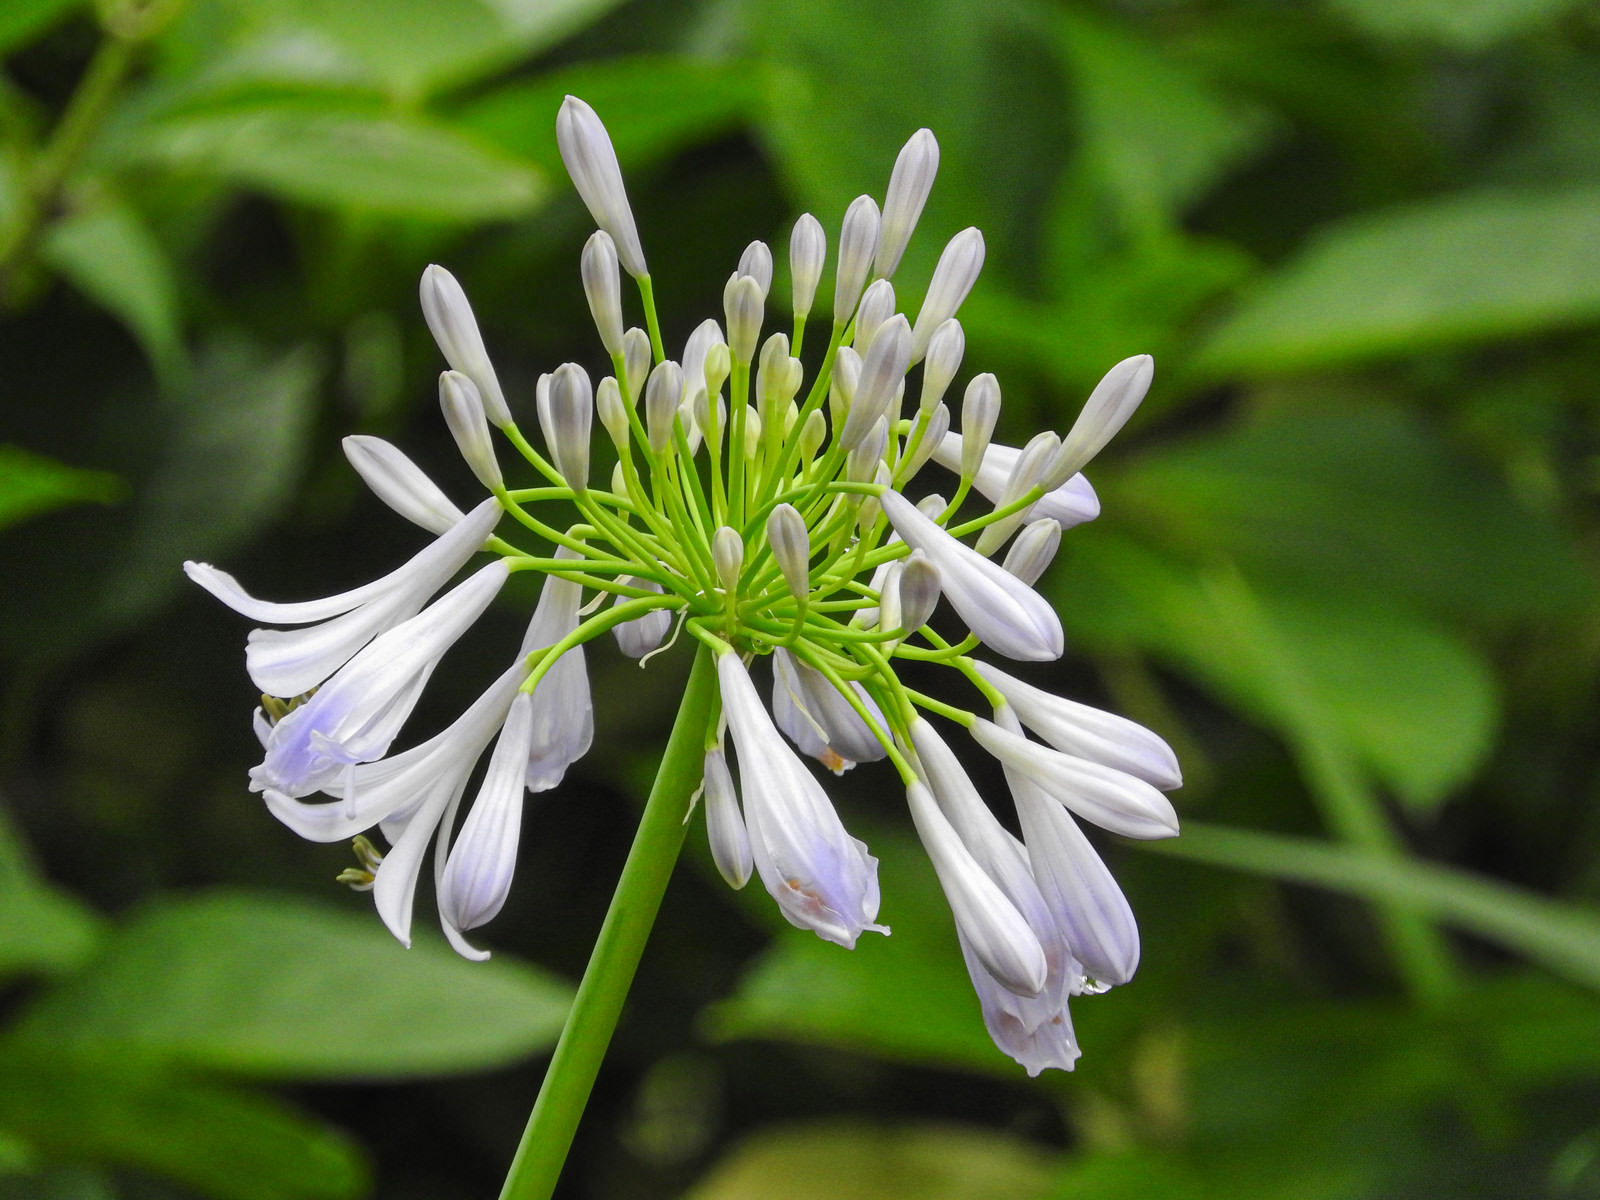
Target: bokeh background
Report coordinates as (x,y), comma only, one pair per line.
(1347,566)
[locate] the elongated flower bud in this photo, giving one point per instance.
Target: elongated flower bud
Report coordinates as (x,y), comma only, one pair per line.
(706,335)
(861,465)
(881,375)
(1108,408)
(772,376)
(842,389)
(756,262)
(791,546)
(1112,799)
(638,637)
(1005,614)
(602,286)
(909,185)
(1073,503)
(727,555)
(636,354)
(945,351)
(1031,464)
(752,431)
(808,250)
(591,161)
(877,306)
(463,413)
(996,931)
(932,437)
(570,415)
(662,396)
(858,243)
(919,591)
(716,366)
(613,413)
(401,484)
(742,305)
(812,434)
(819,719)
(725,830)
(455,329)
(1034,550)
(980,409)
(952,280)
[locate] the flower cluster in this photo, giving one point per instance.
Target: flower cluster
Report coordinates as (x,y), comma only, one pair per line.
(767,519)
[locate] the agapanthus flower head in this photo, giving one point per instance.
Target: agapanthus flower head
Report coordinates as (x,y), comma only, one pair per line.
(750,499)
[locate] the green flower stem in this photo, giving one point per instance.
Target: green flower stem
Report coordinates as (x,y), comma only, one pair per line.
(606,981)
(647,294)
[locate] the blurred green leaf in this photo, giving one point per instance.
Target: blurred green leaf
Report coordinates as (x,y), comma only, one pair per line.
(1356,502)
(1468,25)
(42,929)
(1561,937)
(61,1183)
(332,154)
(652,106)
(31,484)
(225,1143)
(262,985)
(846,1160)
(1458,270)
(111,256)
(413,47)
(1156,135)
(22,19)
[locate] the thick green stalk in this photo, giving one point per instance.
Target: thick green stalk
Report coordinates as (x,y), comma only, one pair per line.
(606,980)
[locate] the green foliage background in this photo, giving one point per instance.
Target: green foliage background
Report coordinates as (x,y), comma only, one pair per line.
(1347,565)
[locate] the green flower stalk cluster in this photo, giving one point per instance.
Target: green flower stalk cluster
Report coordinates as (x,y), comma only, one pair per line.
(763,514)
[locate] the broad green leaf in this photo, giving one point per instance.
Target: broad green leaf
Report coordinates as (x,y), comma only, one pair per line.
(846,1160)
(1468,268)
(22,19)
(1468,25)
(652,106)
(42,928)
(366,161)
(1156,135)
(31,484)
(1563,938)
(224,1143)
(110,255)
(1363,501)
(263,985)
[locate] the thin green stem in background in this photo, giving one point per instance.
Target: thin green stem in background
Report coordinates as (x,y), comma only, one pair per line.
(606,980)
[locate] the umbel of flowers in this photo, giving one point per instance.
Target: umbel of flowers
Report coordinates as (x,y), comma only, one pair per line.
(767,516)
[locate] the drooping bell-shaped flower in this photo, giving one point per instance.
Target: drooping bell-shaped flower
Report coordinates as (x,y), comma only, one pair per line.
(818,719)
(563,712)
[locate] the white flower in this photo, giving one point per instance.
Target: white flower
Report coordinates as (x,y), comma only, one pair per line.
(1107,409)
(909,185)
(1036,1035)
(952,282)
(1003,612)
(563,713)
(818,719)
(591,161)
(638,637)
(455,329)
(290,662)
(357,714)
(1073,503)
(400,483)
(822,878)
(725,829)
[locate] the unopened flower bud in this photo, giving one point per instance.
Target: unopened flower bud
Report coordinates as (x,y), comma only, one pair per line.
(1108,408)
(952,279)
(612,412)
(858,244)
(861,465)
(725,828)
(567,418)
(842,387)
(752,431)
(1034,550)
(889,598)
(742,305)
(619,479)
(455,329)
(662,395)
(919,591)
(877,306)
(403,485)
(463,413)
(791,546)
(706,334)
(1024,477)
(756,262)
(945,350)
(638,637)
(909,185)
(772,375)
(980,409)
(882,373)
(602,286)
(932,436)
(727,555)
(812,434)
(718,362)
(591,160)
(808,249)
(636,354)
